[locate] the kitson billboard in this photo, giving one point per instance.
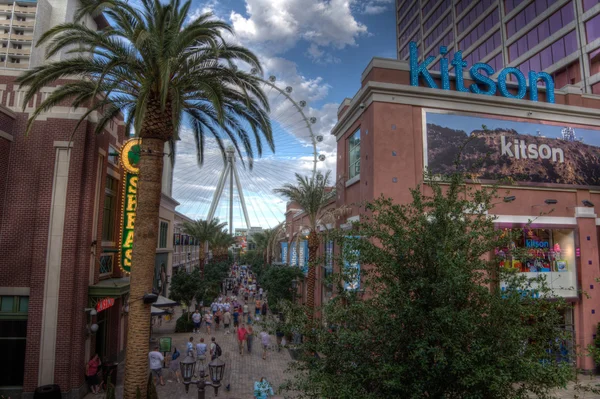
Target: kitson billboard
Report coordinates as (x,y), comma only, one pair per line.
(503,149)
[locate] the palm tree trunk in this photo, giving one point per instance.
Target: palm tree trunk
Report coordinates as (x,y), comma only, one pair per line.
(142,270)
(313,247)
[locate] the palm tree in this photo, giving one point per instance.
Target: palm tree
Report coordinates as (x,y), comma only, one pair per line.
(266,241)
(220,243)
(203,230)
(160,71)
(312,195)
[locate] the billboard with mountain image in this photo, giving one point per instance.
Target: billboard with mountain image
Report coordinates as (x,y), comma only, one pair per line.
(499,149)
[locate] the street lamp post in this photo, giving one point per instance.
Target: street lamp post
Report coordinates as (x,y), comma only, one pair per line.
(216,369)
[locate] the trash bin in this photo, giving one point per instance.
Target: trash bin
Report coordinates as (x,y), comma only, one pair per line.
(109,369)
(47,392)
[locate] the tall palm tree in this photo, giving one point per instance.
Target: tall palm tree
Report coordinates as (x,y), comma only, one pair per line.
(266,241)
(203,230)
(312,195)
(220,242)
(161,72)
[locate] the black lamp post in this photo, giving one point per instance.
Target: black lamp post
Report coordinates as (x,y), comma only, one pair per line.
(294,289)
(216,369)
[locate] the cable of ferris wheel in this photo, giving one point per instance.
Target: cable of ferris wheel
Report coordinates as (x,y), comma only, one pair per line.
(192,191)
(265,201)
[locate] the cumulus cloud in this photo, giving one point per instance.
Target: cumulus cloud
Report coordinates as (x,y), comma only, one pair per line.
(372,7)
(279,26)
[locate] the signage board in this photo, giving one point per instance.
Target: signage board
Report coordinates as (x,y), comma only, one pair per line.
(284,252)
(480,74)
(104,304)
(515,151)
(164,344)
(130,157)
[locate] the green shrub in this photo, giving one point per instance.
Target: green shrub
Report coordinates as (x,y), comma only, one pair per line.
(184,324)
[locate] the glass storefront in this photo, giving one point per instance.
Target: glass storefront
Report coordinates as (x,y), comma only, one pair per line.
(548,251)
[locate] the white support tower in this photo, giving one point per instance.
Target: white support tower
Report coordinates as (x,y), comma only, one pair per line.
(229,170)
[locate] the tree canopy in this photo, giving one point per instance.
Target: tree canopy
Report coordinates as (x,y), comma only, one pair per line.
(434,321)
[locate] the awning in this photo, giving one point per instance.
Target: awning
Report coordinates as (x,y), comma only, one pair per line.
(112,288)
(163,302)
(156,311)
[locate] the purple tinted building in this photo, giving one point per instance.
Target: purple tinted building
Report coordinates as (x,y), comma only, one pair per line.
(560,37)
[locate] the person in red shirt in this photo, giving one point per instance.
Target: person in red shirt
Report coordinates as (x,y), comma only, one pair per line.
(242,334)
(91,373)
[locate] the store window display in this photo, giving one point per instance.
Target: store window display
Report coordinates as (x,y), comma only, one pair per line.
(548,251)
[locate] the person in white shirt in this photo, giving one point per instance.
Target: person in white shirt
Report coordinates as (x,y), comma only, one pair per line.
(156,360)
(196,318)
(260,293)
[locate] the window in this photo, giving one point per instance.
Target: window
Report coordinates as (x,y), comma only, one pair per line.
(162,234)
(106,264)
(113,155)
(110,205)
(354,154)
(13,337)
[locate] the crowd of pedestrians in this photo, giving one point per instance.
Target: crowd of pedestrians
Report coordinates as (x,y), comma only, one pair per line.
(230,311)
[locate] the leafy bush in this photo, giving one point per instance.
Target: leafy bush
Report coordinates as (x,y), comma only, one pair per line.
(184,324)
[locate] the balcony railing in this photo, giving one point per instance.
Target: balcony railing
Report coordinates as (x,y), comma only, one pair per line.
(19,38)
(4,36)
(23,23)
(4,8)
(23,65)
(19,51)
(25,10)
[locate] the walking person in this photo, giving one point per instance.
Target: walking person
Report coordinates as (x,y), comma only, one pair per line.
(262,389)
(241,336)
(217,318)
(246,312)
(265,340)
(196,318)
(236,317)
(190,347)
(279,335)
(91,373)
(257,306)
(260,293)
(249,338)
(156,360)
(263,310)
(208,322)
(174,365)
(215,349)
(227,321)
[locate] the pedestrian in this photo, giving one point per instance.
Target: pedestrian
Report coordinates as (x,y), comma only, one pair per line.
(208,322)
(227,321)
(214,307)
(262,389)
(196,318)
(265,340)
(156,359)
(249,338)
(257,306)
(190,347)
(260,293)
(91,373)
(215,349)
(263,309)
(218,316)
(279,335)
(236,317)
(241,335)
(245,311)
(174,366)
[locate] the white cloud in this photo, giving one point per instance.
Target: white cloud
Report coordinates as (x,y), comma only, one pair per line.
(277,26)
(372,7)
(320,56)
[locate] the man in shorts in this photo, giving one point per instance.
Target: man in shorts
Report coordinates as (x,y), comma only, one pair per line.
(208,321)
(236,319)
(156,359)
(227,321)
(196,318)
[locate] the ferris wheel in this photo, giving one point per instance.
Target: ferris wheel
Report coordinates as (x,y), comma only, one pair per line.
(228,189)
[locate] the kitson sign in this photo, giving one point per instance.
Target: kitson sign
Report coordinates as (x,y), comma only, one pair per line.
(480,74)
(130,157)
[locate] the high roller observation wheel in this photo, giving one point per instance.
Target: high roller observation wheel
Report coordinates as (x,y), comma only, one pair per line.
(293,129)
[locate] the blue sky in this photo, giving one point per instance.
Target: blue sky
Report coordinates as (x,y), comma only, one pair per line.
(317,47)
(470,123)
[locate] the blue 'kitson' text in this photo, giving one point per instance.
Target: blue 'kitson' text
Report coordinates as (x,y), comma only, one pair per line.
(480,74)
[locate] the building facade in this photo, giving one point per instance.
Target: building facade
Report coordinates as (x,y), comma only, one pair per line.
(392,131)
(186,249)
(560,37)
(60,216)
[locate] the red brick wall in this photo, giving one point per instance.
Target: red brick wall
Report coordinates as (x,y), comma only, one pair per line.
(26,179)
